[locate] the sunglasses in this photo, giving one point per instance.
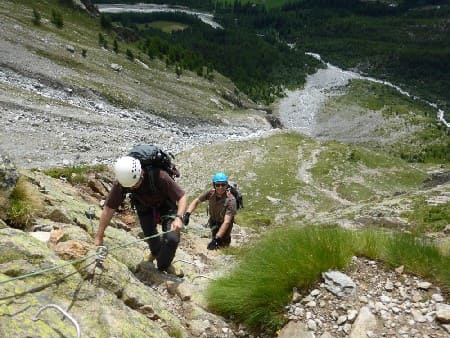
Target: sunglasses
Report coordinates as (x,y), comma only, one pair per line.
(220,184)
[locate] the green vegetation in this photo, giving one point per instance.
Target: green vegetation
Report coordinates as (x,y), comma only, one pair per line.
(425,141)
(405,44)
(258,67)
(74,175)
(24,204)
(428,217)
(129,54)
(63,59)
(309,177)
(174,332)
(36,17)
(346,167)
(167,26)
(57,18)
(257,289)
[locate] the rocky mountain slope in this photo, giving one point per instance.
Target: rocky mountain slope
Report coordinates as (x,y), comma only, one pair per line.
(92,108)
(59,108)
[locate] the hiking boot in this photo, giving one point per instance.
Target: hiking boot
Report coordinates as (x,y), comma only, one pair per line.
(172,270)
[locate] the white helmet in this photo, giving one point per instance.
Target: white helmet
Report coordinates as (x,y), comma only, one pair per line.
(128,171)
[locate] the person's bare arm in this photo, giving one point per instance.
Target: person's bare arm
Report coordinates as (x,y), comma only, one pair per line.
(224,226)
(194,204)
(105,218)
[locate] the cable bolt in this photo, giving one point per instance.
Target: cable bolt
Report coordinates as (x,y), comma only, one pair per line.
(102,252)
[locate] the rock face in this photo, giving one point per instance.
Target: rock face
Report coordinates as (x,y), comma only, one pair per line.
(63,270)
(61,116)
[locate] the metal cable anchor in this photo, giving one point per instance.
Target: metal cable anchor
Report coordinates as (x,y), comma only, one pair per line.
(63,312)
(90,214)
(102,252)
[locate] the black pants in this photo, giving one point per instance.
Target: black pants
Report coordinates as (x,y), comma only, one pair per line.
(162,247)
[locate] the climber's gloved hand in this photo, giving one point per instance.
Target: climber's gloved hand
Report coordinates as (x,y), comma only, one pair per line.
(214,244)
(186,218)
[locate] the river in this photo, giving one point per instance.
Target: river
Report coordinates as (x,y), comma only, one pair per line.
(300,107)
(207,18)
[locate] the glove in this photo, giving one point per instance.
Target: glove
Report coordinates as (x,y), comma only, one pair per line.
(186,218)
(214,244)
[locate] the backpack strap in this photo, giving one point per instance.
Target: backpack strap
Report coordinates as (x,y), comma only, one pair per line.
(227,192)
(153,176)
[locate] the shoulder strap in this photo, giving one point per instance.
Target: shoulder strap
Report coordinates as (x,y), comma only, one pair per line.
(153,176)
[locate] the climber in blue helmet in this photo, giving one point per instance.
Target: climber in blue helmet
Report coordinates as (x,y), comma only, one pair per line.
(222,209)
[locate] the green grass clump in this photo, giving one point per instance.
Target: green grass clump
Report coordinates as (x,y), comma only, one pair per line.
(24,203)
(419,256)
(428,217)
(167,26)
(257,289)
(76,174)
(369,243)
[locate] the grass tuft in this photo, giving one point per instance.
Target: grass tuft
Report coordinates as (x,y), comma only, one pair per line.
(76,174)
(258,288)
(24,204)
(269,270)
(419,256)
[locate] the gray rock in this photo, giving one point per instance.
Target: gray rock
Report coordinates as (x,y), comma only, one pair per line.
(339,284)
(443,313)
(295,329)
(365,322)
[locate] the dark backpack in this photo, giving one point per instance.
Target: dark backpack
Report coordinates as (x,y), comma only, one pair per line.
(233,187)
(153,159)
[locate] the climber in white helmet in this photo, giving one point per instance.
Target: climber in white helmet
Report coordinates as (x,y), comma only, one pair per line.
(158,199)
(128,171)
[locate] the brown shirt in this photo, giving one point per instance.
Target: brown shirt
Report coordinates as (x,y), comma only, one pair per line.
(166,188)
(219,206)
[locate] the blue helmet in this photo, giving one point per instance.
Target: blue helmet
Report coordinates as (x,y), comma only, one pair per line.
(220,177)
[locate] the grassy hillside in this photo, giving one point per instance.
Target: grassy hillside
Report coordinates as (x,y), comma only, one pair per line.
(86,51)
(388,122)
(287,178)
(404,42)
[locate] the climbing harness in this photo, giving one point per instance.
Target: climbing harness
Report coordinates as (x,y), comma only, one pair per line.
(63,312)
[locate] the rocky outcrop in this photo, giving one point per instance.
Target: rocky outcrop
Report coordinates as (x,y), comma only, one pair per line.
(57,265)
(56,268)
(90,7)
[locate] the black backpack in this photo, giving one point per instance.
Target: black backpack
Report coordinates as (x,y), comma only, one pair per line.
(153,159)
(233,187)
